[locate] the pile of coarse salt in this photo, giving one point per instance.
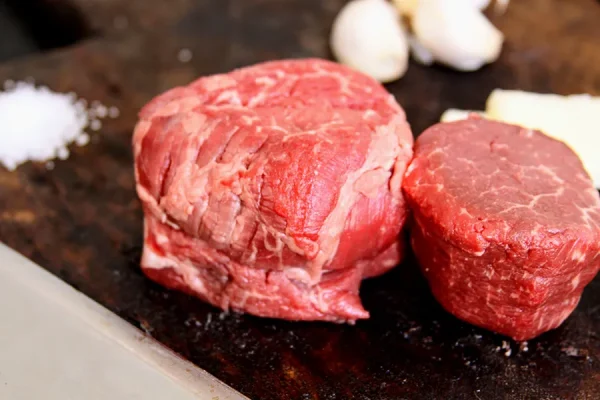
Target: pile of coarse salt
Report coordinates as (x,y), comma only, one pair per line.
(38,124)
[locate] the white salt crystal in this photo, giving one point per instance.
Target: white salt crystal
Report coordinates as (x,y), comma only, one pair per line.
(82,139)
(80,106)
(95,125)
(63,153)
(524,347)
(184,55)
(571,351)
(101,111)
(37,124)
(113,112)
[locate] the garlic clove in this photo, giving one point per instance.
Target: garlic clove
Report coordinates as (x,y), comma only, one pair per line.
(368,36)
(419,52)
(457,34)
(500,6)
(407,8)
(480,4)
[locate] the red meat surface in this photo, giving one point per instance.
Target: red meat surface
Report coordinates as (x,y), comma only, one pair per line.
(274,189)
(506,224)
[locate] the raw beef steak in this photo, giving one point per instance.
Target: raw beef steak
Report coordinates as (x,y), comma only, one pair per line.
(274,189)
(506,224)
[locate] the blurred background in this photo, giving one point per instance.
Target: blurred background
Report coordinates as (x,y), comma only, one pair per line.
(28,26)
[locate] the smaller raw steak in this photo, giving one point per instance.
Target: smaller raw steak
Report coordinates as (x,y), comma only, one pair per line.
(506,224)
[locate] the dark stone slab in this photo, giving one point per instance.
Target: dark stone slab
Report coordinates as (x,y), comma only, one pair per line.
(83,222)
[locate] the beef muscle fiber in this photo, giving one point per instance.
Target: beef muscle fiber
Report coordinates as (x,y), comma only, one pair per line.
(273,189)
(506,224)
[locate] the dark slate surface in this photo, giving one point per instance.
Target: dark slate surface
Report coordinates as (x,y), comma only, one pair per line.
(82,220)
